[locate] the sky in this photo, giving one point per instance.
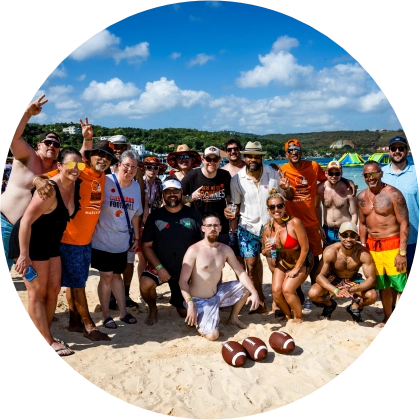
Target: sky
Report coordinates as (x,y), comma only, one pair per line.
(215,66)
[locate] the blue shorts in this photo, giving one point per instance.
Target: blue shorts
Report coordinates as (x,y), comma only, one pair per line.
(331,235)
(250,245)
(411,250)
(6,231)
(75,263)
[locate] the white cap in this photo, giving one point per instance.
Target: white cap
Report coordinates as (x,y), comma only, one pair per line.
(211,150)
(348,226)
(171,183)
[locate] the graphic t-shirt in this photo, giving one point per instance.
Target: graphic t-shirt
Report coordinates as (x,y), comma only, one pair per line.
(213,194)
(111,232)
(304,182)
(172,234)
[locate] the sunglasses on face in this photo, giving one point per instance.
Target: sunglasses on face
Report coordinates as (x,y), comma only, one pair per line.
(152,168)
(129,167)
(276,206)
(102,154)
(232,149)
(183,157)
(331,173)
(209,159)
(172,191)
(352,235)
(294,149)
(395,148)
(255,157)
(120,147)
(374,174)
(215,225)
(48,143)
(72,165)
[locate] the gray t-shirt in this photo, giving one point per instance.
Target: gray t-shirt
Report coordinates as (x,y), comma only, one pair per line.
(111,232)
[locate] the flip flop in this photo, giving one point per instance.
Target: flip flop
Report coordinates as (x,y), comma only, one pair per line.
(128,318)
(110,323)
(57,340)
(62,349)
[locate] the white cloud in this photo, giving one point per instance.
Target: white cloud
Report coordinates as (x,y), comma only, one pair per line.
(58,93)
(160,95)
(59,72)
(278,66)
(374,101)
(194,18)
(214,4)
(176,6)
(200,59)
(111,90)
(81,77)
(105,44)
(70,104)
(175,55)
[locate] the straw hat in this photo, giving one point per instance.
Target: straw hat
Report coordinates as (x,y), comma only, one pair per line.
(253,148)
(183,149)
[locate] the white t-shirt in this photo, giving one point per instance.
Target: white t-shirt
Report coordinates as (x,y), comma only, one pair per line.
(111,232)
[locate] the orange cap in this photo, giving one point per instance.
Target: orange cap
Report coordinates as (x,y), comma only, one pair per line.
(334,164)
(296,142)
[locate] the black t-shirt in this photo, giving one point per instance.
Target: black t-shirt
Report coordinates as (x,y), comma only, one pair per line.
(172,234)
(214,193)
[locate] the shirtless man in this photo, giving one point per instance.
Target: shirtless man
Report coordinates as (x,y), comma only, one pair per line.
(340,277)
(384,230)
(27,164)
(338,202)
(201,286)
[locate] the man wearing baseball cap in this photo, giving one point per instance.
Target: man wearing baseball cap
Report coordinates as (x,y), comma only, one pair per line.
(402,175)
(168,233)
(339,277)
(338,203)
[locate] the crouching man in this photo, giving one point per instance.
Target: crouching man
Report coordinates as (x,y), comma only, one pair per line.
(201,282)
(340,278)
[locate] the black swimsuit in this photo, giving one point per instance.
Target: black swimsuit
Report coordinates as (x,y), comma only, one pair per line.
(46,231)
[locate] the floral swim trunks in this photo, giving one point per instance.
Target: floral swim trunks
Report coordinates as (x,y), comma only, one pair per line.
(250,245)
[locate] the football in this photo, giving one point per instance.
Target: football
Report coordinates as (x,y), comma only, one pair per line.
(255,348)
(233,354)
(281,342)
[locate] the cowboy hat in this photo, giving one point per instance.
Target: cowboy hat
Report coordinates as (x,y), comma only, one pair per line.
(183,149)
(253,148)
(154,161)
(104,145)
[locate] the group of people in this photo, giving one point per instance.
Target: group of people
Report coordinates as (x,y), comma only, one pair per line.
(65,211)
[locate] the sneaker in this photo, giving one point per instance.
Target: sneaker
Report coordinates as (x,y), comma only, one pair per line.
(328,310)
(129,303)
(354,313)
(307,307)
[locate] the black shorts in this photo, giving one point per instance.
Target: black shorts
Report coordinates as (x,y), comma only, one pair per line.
(176,299)
(108,261)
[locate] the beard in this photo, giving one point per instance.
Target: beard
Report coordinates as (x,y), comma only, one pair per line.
(212,237)
(173,202)
(253,167)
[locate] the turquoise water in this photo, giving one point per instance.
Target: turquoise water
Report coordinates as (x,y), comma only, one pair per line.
(353,173)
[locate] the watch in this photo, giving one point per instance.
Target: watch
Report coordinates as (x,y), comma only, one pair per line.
(403,253)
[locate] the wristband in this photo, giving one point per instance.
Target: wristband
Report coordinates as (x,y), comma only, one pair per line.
(84,139)
(158,267)
(336,290)
(190,298)
(188,199)
(33,181)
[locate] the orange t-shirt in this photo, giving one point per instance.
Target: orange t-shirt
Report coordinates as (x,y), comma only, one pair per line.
(304,182)
(79,230)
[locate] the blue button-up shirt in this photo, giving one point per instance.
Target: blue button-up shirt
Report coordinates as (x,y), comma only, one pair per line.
(406,182)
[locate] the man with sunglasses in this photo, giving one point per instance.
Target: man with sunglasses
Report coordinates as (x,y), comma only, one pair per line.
(208,189)
(28,165)
(402,175)
(169,231)
(338,203)
(233,149)
(384,231)
(339,276)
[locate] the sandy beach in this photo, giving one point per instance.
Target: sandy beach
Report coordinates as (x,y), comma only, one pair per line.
(169,369)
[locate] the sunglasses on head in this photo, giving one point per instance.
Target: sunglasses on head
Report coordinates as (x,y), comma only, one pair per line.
(186,156)
(374,174)
(101,154)
(152,167)
(72,165)
(232,149)
(48,143)
(209,159)
(353,235)
(395,148)
(294,149)
(331,173)
(276,206)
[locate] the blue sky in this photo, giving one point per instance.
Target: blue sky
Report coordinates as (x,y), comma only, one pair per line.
(215,66)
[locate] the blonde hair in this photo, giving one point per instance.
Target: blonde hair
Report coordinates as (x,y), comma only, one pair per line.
(274,193)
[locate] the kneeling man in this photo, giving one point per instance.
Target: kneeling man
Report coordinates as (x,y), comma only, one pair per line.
(340,277)
(201,282)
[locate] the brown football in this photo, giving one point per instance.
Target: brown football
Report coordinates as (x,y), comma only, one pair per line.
(233,354)
(255,348)
(281,342)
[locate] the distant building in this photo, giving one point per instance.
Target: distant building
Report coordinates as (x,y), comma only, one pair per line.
(385,148)
(72,130)
(339,144)
(140,149)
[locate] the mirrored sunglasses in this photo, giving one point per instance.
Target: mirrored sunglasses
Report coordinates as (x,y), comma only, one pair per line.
(294,149)
(72,165)
(186,156)
(374,174)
